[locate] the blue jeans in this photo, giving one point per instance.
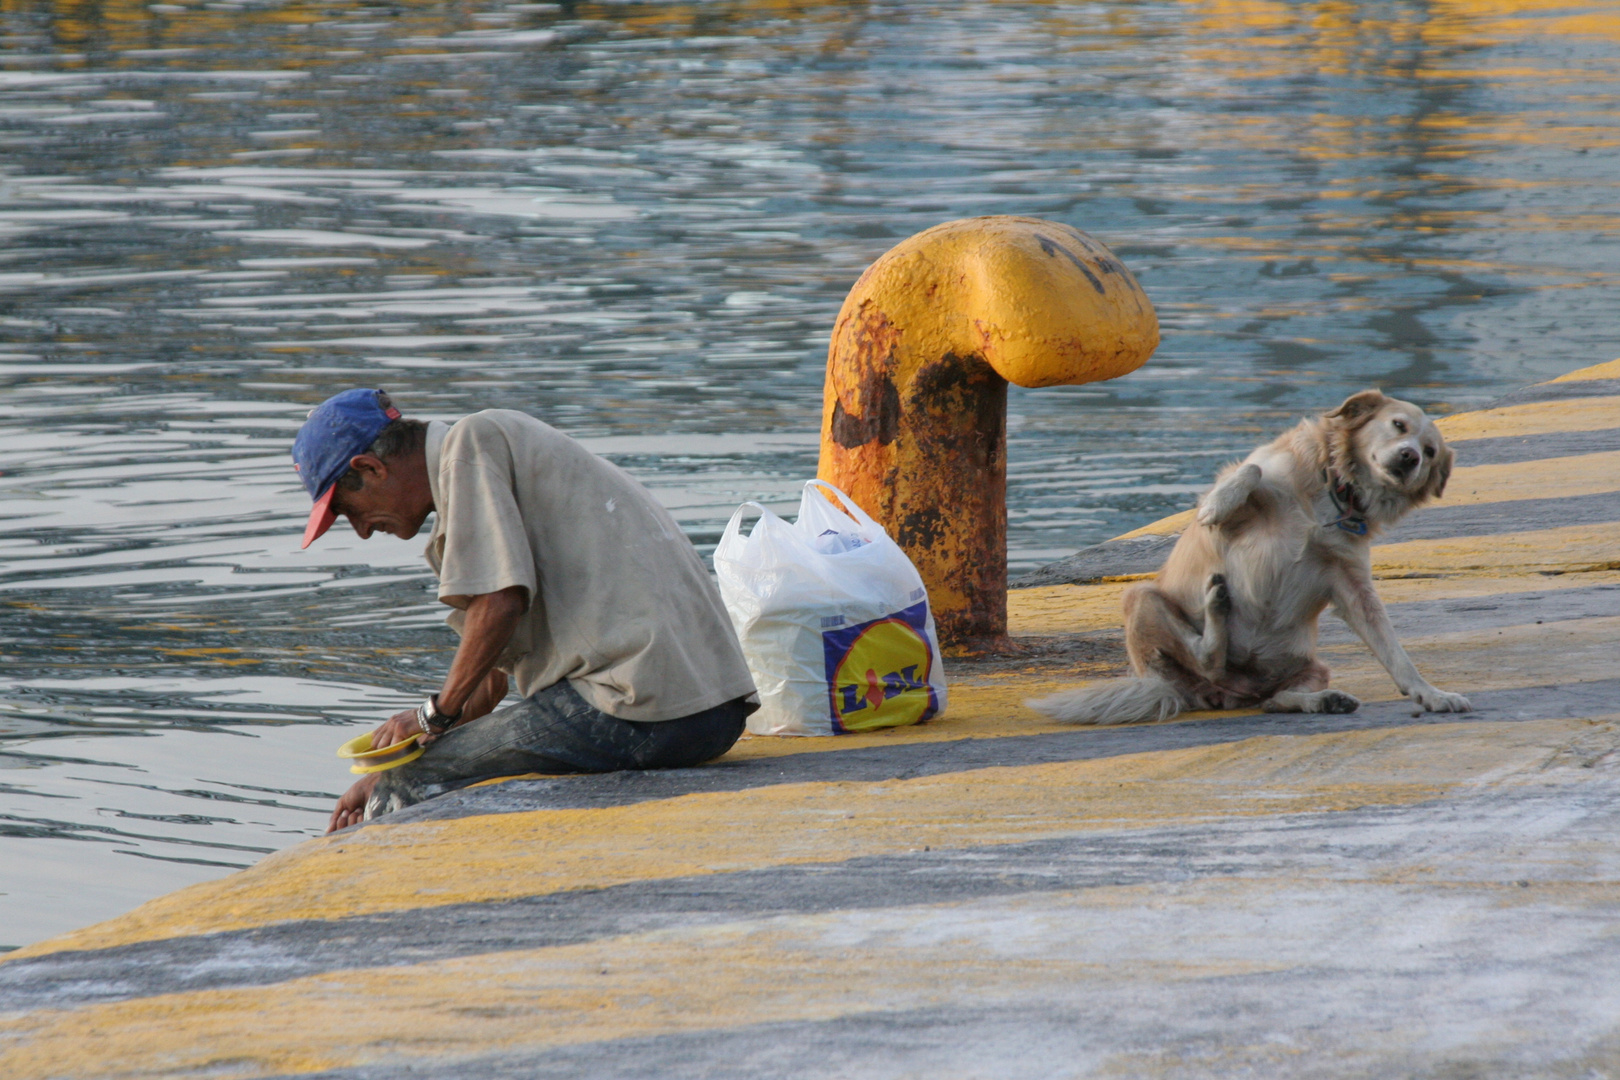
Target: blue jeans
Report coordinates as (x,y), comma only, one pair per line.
(556,731)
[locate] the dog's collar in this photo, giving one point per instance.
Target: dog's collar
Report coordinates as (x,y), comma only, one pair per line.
(1352,517)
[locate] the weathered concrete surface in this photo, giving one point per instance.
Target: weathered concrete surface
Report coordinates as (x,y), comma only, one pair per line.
(989,895)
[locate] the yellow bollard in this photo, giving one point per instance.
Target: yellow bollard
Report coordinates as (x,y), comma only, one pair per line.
(914,420)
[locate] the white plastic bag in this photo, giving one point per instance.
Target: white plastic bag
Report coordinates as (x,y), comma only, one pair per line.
(833,620)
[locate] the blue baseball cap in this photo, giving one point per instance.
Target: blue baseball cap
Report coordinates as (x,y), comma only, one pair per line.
(338,428)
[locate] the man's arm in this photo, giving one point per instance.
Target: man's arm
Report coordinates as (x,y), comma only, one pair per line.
(491,618)
(473,688)
(486,697)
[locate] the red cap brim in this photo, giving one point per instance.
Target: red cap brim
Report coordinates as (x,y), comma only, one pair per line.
(320,518)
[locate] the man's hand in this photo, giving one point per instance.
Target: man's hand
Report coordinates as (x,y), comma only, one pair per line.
(351,808)
(398,728)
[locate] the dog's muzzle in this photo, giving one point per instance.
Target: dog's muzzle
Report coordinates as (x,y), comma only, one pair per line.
(1403,463)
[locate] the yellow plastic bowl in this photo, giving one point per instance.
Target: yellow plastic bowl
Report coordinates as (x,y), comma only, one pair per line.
(369,760)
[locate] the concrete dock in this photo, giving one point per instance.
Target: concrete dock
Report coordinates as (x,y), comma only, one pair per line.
(989,895)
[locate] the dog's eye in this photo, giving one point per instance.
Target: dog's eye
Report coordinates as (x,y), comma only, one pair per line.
(1428,451)
(1400,426)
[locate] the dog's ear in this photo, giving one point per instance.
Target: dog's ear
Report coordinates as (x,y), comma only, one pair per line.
(1357,409)
(1439,473)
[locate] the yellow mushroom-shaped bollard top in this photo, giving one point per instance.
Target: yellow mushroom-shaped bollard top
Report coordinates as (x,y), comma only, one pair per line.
(914,421)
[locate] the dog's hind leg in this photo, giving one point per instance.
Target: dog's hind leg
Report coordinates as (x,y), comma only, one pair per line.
(1162,640)
(1309,693)
(1210,651)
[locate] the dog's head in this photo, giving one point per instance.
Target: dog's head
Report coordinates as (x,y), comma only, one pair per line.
(1396,446)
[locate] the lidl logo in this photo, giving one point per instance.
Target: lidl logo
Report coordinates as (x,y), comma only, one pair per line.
(877,672)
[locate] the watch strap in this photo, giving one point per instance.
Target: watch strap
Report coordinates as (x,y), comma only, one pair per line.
(432,719)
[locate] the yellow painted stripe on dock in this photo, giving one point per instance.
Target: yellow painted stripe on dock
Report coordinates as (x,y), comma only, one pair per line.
(1573,548)
(1533,418)
(1545,478)
(677,982)
(1411,590)
(502,856)
(697,979)
(1064,609)
(705,978)
(1610,370)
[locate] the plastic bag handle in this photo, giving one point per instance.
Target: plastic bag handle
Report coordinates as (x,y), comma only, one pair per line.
(734,526)
(849,508)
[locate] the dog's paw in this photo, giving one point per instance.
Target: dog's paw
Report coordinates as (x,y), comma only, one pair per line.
(1215,509)
(1337,701)
(1228,496)
(1217,597)
(1435,700)
(1321,701)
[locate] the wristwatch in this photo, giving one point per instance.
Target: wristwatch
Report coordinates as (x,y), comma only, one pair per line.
(431,719)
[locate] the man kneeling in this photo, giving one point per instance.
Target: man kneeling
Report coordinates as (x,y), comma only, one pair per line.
(563,572)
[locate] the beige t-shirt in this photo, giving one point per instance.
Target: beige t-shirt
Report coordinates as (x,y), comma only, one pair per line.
(619,601)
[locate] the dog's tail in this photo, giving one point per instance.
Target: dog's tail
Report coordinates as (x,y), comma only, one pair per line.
(1117,701)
